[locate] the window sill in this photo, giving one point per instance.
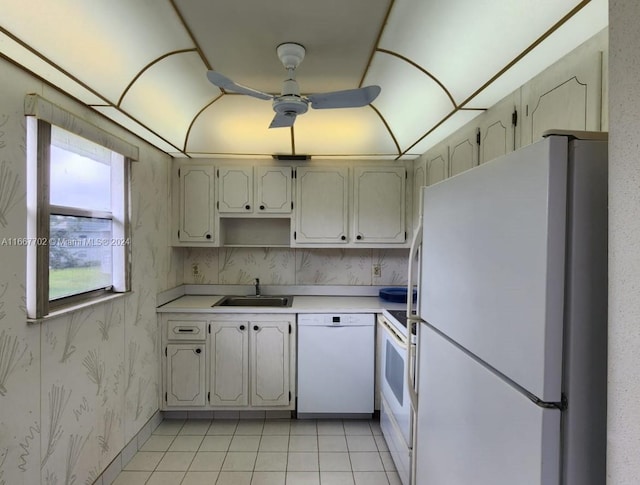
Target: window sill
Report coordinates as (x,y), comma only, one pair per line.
(72,308)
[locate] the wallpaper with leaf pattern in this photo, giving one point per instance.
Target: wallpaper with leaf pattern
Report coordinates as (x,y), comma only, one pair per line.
(286,266)
(75,389)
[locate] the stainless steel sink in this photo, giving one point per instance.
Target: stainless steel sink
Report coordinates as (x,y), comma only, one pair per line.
(256,301)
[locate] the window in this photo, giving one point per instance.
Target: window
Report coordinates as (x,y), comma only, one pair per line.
(77,236)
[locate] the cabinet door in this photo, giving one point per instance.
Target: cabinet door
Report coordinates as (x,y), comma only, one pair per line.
(235,189)
(269,351)
(379,205)
(566,96)
(322,204)
(196,204)
(185,375)
(229,363)
(499,131)
(273,190)
(437,164)
(463,152)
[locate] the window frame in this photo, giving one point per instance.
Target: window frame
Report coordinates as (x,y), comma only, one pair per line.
(39,210)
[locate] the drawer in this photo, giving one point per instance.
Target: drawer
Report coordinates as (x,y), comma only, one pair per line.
(186,330)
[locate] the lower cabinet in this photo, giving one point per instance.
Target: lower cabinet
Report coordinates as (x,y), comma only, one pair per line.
(270,363)
(246,362)
(186,374)
(229,363)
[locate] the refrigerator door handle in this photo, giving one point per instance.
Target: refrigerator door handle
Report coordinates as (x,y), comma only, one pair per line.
(413,252)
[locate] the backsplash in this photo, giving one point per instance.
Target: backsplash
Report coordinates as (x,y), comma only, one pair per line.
(288,266)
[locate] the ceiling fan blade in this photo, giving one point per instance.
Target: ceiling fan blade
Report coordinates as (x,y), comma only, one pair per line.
(283,120)
(350,98)
(228,85)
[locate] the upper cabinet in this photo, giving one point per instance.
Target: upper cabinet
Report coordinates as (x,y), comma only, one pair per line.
(379,205)
(322,203)
(235,189)
(437,164)
(240,186)
(273,190)
(463,151)
(364,206)
(565,96)
(498,128)
(196,221)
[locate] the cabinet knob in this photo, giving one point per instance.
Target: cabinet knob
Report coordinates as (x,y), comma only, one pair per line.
(241,327)
(358,237)
(208,236)
(255,327)
(343,237)
(198,350)
(261,207)
(247,207)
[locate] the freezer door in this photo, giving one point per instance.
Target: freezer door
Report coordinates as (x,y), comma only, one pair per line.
(492,273)
(474,428)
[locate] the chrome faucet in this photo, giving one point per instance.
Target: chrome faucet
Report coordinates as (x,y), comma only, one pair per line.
(257,284)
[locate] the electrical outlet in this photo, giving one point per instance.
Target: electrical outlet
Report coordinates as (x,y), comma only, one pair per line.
(377,270)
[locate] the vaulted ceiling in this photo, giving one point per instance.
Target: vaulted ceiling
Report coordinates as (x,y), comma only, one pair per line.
(143,64)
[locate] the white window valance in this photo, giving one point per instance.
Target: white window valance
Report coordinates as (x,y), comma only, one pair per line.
(43,109)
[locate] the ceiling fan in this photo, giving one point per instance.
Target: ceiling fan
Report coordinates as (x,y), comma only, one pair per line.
(290,103)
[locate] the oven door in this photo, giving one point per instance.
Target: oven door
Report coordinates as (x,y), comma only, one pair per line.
(393,381)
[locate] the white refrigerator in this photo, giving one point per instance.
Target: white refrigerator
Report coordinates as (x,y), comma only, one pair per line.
(512,337)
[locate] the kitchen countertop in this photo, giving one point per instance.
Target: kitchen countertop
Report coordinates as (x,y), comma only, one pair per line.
(301,304)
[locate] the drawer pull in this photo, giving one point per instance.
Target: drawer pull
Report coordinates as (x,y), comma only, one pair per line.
(198,350)
(185,330)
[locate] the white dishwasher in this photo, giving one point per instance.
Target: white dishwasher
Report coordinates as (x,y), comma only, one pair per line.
(335,364)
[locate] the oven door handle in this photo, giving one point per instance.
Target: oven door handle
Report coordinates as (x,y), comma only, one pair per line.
(392,333)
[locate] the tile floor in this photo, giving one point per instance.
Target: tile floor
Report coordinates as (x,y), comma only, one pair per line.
(259,452)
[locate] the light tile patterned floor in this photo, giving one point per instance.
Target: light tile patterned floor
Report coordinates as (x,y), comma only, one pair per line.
(258,452)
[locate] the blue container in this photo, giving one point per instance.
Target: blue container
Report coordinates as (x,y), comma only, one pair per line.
(396,295)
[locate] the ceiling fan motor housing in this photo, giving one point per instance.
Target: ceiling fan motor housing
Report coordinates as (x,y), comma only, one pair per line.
(290,104)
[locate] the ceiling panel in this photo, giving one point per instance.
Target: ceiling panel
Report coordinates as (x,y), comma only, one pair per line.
(170,94)
(31,61)
(239,39)
(102,43)
(238,124)
(410,100)
(125,121)
(464,44)
(428,56)
(454,122)
(357,132)
(591,19)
